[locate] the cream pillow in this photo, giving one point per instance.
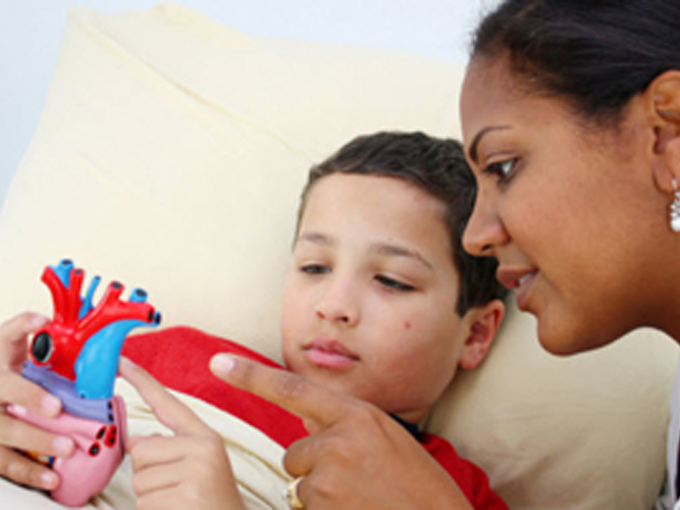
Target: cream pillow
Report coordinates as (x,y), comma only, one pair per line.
(172,150)
(586,432)
(170,156)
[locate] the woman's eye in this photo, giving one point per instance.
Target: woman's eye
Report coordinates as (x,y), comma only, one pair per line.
(393,284)
(314,269)
(503,170)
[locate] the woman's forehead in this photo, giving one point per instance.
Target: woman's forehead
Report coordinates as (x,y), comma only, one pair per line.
(495,97)
(488,90)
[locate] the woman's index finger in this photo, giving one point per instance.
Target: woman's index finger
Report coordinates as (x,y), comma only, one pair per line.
(293,392)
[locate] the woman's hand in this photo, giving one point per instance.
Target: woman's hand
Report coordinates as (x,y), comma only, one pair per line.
(188,470)
(356,456)
(21,394)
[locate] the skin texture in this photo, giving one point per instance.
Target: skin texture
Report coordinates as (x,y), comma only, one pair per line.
(574,211)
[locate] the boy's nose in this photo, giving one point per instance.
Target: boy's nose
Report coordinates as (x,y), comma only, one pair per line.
(484,231)
(338,304)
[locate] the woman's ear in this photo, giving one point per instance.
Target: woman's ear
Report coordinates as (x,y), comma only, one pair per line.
(483,326)
(663,96)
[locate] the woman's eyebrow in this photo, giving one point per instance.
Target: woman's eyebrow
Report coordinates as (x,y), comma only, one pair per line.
(395,250)
(478,137)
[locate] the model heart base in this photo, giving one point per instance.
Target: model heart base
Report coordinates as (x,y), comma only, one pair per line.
(100,447)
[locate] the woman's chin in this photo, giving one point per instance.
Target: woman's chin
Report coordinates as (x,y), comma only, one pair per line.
(561,340)
(568,339)
(555,348)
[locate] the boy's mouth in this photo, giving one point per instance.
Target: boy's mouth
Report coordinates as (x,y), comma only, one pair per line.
(329,354)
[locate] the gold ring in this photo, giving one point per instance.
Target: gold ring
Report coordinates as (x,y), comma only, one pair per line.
(291,495)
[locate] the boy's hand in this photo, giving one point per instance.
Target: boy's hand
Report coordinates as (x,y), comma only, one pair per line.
(356,457)
(22,394)
(188,470)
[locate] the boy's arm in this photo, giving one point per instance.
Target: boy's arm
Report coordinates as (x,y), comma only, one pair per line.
(188,470)
(356,456)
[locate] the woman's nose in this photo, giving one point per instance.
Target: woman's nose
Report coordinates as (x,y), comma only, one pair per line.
(484,231)
(338,303)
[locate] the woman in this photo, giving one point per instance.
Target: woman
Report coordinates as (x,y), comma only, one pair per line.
(571,120)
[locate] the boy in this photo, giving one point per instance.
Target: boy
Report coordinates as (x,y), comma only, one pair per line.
(381,303)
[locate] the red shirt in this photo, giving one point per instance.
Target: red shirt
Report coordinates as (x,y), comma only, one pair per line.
(178,358)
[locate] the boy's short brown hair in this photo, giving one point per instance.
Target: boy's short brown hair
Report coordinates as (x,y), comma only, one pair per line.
(438,167)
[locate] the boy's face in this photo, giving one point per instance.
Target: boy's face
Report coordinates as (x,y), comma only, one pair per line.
(369,305)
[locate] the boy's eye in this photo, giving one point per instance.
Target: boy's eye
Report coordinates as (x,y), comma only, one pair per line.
(503,170)
(314,269)
(393,284)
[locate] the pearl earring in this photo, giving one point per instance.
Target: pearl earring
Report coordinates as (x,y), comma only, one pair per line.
(675,208)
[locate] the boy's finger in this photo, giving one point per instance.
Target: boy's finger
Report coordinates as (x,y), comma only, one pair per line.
(168,409)
(18,434)
(313,403)
(13,334)
(133,441)
(20,391)
(155,450)
(16,389)
(24,471)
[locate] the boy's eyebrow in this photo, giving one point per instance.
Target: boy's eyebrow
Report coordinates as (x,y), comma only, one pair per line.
(395,250)
(314,237)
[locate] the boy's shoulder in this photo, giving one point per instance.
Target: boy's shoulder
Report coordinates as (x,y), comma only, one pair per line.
(471,479)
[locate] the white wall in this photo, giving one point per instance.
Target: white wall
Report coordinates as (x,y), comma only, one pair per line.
(31,31)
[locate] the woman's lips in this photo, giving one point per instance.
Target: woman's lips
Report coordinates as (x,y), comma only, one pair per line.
(329,354)
(520,280)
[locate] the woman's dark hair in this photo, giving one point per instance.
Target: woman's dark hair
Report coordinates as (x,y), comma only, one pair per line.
(438,167)
(597,54)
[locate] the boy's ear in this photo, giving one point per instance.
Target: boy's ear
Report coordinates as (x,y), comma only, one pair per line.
(663,96)
(483,325)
